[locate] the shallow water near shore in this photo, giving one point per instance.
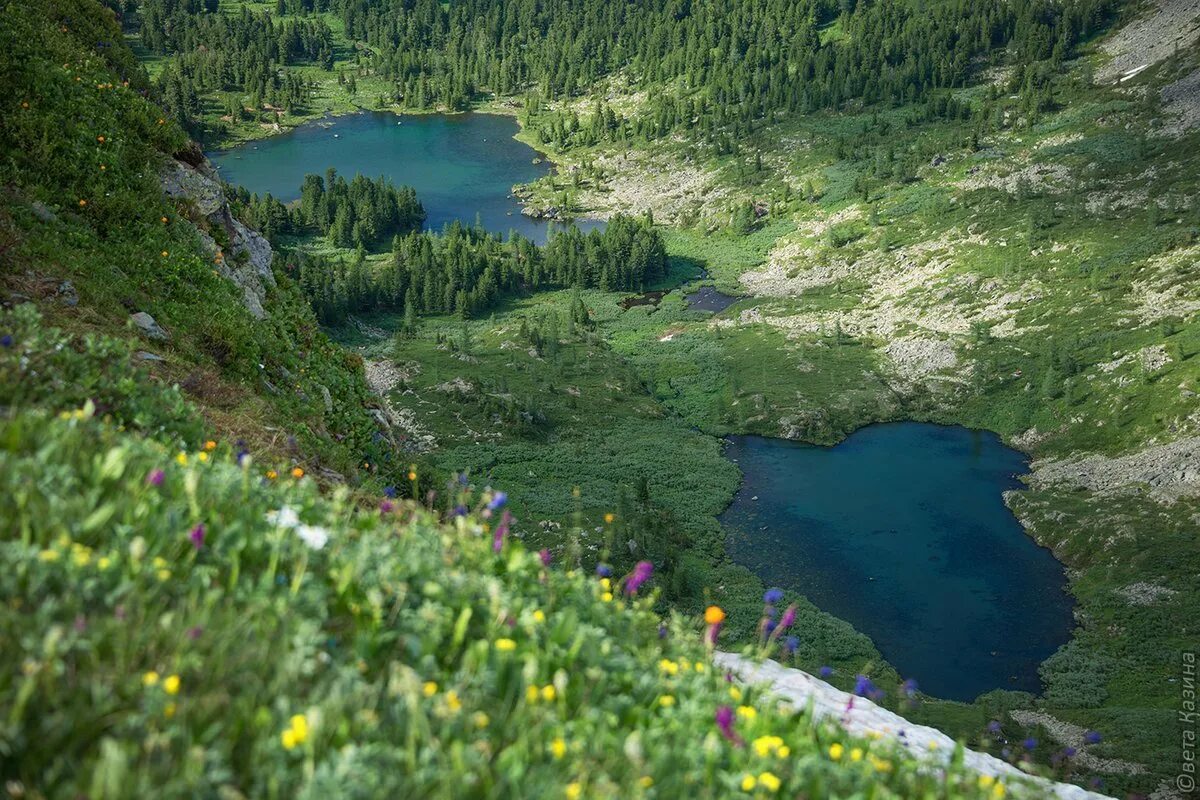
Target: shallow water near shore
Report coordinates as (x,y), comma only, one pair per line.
(902,531)
(463,166)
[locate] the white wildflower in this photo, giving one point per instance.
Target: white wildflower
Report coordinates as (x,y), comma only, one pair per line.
(314,536)
(285,517)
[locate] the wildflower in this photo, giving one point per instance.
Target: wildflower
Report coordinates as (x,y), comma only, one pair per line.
(994,726)
(835,751)
(573,791)
(645,781)
(791,644)
(6,340)
(641,573)
(163,220)
(386,507)
(544,555)
(856,754)
(999,790)
(197,535)
(725,723)
(863,687)
(713,615)
(299,725)
(539,616)
(429,688)
(271,474)
(169,710)
(548,693)
(666,701)
(735,693)
(314,536)
(769,782)
(389,492)
(163,575)
(150,678)
(603,570)
(1093,737)
(285,517)
(82,203)
(501,532)
(558,748)
(1029,743)
(772,596)
(452,701)
(531,694)
(165,254)
(202,456)
(103,563)
(297,473)
(608,518)
(210,445)
(748,783)
(100,139)
(155,478)
(506,645)
(881,765)
(765,745)
(607,597)
(181,458)
(909,687)
(480,719)
(789,616)
(748,712)
(49,556)
(171,684)
(668,666)
(412,474)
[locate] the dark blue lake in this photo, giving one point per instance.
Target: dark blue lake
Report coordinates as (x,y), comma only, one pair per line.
(463,166)
(902,530)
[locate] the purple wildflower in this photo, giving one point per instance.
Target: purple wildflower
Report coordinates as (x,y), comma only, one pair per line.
(386,507)
(501,532)
(460,510)
(825,672)
(197,535)
(544,555)
(909,687)
(6,340)
(195,632)
(241,455)
(791,643)
(497,502)
(1069,752)
(769,625)
(789,616)
(155,478)
(725,723)
(389,491)
(662,631)
(1029,743)
(772,596)
(863,687)
(1093,737)
(603,571)
(994,726)
(641,573)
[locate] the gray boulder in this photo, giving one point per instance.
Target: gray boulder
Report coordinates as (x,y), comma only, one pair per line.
(149,327)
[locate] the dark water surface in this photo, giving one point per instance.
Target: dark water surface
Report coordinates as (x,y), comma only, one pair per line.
(902,531)
(463,166)
(706,298)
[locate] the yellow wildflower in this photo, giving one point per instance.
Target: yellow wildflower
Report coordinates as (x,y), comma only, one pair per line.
(881,765)
(429,688)
(609,518)
(210,445)
(986,781)
(748,783)
(164,575)
(548,693)
(573,791)
(297,473)
(506,645)
(288,738)
(165,254)
(700,666)
(103,562)
(666,701)
(607,597)
(856,754)
(749,712)
(272,474)
(202,456)
(558,748)
(668,666)
(998,791)
(181,459)
(735,693)
(299,724)
(531,694)
(169,710)
(769,782)
(539,616)
(412,475)
(606,583)
(150,678)
(480,719)
(645,781)
(784,751)
(835,751)
(452,701)
(171,684)
(49,555)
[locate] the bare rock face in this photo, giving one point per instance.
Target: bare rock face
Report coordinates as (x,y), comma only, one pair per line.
(247,259)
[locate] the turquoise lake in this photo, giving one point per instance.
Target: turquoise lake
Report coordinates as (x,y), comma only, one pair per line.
(463,166)
(902,531)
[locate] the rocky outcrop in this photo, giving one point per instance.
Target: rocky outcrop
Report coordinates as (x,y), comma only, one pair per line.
(861,717)
(246,259)
(1170,471)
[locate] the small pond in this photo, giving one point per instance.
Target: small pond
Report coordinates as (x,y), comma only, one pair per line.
(463,166)
(707,298)
(902,531)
